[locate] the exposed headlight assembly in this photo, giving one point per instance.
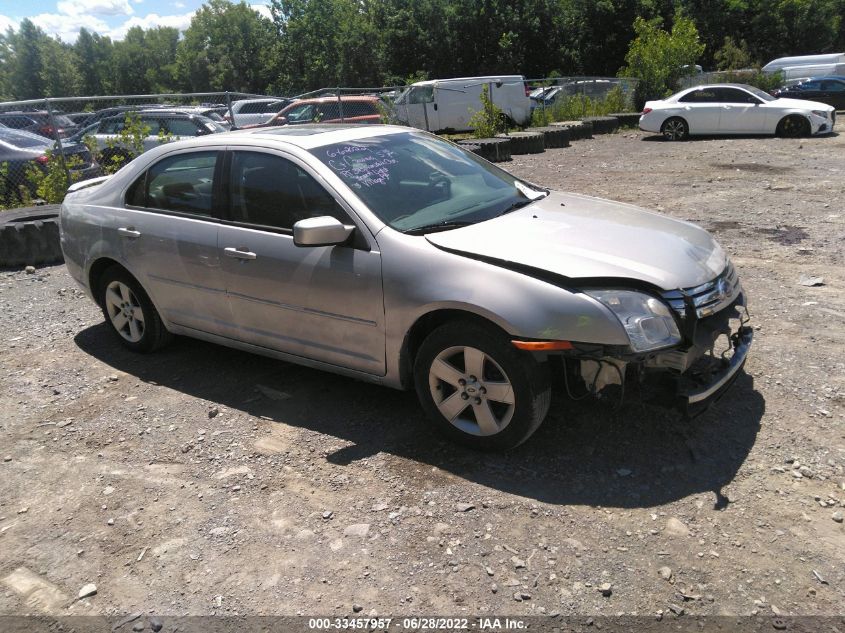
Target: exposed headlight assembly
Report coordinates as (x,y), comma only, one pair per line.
(647,320)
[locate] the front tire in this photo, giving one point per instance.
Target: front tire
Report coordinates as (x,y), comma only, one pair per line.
(793,126)
(478,389)
(675,129)
(130,313)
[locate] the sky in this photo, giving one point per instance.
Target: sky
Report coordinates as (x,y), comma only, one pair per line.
(64,18)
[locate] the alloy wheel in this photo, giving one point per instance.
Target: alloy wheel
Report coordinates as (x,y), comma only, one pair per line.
(125,311)
(471,391)
(674,130)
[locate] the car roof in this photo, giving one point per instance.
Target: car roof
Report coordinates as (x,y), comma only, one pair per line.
(306,136)
(704,86)
(343,98)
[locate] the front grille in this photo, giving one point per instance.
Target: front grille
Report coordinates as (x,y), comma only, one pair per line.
(708,298)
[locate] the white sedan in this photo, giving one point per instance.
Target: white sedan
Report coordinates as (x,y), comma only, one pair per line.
(734,109)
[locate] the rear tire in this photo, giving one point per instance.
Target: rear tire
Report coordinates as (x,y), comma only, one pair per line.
(675,129)
(478,389)
(130,313)
(793,126)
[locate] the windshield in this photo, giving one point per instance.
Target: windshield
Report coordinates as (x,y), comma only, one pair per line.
(765,96)
(412,181)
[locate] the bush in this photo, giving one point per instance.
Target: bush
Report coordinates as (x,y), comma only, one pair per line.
(51,182)
(489,120)
(575,107)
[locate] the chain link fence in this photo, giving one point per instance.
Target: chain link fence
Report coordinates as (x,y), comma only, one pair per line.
(48,144)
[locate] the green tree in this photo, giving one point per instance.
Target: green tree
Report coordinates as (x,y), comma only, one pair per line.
(227,47)
(89,79)
(59,69)
(733,56)
(26,75)
(658,58)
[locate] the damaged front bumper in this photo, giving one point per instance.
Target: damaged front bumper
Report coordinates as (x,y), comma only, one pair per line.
(688,378)
(697,397)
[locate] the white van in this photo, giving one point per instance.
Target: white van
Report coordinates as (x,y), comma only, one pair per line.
(814,70)
(440,105)
(782,63)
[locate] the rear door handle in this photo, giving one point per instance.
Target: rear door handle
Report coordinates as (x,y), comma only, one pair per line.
(239,253)
(128,232)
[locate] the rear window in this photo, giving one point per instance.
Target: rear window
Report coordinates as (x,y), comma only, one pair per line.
(19,139)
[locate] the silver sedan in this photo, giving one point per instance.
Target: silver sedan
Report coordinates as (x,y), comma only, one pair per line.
(395,257)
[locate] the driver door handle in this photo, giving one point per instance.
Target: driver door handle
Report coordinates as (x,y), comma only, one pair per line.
(128,232)
(239,253)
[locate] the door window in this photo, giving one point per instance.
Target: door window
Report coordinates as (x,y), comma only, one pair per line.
(181,183)
(833,86)
(181,127)
(732,95)
(421,94)
(707,95)
(271,191)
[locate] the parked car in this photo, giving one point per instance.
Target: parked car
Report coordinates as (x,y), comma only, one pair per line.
(448,104)
(105,113)
(344,109)
(734,109)
(545,97)
(399,258)
(39,123)
(21,150)
(174,124)
(255,111)
(829,90)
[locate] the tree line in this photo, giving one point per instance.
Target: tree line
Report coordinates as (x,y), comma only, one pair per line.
(309,44)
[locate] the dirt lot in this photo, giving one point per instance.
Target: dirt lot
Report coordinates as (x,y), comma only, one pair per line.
(205,481)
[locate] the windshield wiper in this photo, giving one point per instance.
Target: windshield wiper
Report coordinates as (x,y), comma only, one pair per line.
(517,205)
(435,227)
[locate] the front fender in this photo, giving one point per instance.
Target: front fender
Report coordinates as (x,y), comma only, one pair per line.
(521,305)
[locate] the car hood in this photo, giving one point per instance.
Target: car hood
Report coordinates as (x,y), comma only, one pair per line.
(804,104)
(582,237)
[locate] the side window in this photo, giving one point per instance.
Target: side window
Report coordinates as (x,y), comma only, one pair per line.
(182,183)
(110,126)
(809,85)
(332,111)
(833,86)
(273,106)
(732,95)
(181,127)
(153,126)
(272,191)
(421,94)
(136,195)
(302,113)
(699,96)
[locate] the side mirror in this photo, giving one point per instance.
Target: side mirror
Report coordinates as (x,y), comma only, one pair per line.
(321,231)
(281,120)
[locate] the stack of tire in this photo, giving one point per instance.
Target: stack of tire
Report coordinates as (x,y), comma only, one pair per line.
(525,142)
(627,119)
(603,124)
(495,150)
(553,136)
(30,236)
(578,130)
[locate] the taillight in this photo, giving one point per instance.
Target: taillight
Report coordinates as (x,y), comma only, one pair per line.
(43,160)
(646,110)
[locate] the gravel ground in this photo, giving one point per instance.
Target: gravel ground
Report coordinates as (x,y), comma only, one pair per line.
(206,481)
